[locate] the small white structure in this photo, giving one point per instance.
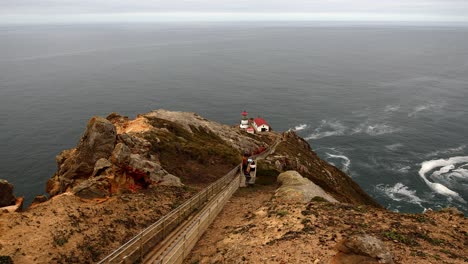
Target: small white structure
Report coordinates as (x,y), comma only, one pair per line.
(250,130)
(260,125)
(244,121)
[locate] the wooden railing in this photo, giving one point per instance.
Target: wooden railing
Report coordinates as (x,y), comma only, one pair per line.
(136,248)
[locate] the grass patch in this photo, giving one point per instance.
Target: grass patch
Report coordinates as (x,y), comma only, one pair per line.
(418,253)
(199,155)
(453,255)
(433,241)
(394,235)
(60,238)
(282,213)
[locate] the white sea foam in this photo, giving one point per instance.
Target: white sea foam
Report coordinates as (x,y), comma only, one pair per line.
(446,166)
(345,160)
(327,129)
(404,169)
(391,108)
(300,127)
(374,129)
(447,151)
(394,147)
(426,107)
(400,192)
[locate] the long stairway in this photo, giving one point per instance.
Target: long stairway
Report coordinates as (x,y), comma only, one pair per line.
(171,238)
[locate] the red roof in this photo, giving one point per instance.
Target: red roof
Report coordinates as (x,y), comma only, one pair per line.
(244,113)
(260,121)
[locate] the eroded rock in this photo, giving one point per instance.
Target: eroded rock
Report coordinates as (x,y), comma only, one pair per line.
(6,193)
(362,249)
(98,187)
(295,188)
(97,142)
(171,180)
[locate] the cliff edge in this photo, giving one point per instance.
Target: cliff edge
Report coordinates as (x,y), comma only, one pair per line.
(124,174)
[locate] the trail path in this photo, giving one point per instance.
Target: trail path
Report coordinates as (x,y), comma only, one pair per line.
(241,206)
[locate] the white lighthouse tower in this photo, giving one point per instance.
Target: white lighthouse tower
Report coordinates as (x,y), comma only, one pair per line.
(244,121)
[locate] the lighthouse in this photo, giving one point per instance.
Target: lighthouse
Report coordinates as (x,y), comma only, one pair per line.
(244,120)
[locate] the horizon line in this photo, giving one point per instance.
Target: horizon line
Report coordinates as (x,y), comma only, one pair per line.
(165,17)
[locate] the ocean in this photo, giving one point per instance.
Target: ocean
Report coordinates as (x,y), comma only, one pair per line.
(386,104)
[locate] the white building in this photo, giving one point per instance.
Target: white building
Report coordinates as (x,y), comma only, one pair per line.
(244,121)
(260,125)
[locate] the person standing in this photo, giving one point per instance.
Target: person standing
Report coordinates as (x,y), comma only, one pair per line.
(253,167)
(245,165)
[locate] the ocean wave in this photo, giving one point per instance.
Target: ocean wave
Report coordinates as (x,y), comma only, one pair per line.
(391,108)
(425,107)
(327,129)
(448,151)
(445,175)
(345,160)
(400,192)
(394,147)
(375,129)
(300,127)
(404,169)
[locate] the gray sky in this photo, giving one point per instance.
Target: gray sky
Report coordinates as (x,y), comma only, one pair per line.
(33,11)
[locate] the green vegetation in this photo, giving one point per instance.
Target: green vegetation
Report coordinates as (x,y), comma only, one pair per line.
(394,235)
(433,241)
(190,155)
(60,238)
(266,174)
(281,213)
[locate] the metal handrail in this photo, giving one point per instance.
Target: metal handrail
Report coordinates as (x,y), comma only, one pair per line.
(132,250)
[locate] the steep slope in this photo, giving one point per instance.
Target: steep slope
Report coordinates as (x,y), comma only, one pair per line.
(124,174)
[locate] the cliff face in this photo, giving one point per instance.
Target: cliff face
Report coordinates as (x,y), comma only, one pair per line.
(124,174)
(161,147)
(294,153)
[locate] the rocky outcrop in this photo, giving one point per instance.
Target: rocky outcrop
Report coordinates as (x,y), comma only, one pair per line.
(6,194)
(97,142)
(294,153)
(362,249)
(295,188)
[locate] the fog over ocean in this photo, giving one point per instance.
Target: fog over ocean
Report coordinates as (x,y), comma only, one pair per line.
(386,104)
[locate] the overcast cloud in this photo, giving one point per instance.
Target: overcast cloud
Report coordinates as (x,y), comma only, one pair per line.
(32,11)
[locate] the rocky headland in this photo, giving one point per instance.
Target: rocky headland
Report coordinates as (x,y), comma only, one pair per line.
(125,174)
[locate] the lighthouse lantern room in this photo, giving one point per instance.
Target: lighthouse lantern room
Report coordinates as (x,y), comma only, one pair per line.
(244,121)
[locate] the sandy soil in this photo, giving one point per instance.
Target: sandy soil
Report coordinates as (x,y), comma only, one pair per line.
(67,229)
(252,228)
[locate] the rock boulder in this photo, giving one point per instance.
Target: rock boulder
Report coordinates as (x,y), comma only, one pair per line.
(97,142)
(295,188)
(360,249)
(6,194)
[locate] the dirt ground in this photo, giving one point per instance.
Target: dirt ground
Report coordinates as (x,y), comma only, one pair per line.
(253,228)
(67,229)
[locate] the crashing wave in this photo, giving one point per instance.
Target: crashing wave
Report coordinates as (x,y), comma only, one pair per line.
(346,161)
(327,129)
(445,174)
(300,127)
(375,129)
(426,107)
(400,192)
(448,151)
